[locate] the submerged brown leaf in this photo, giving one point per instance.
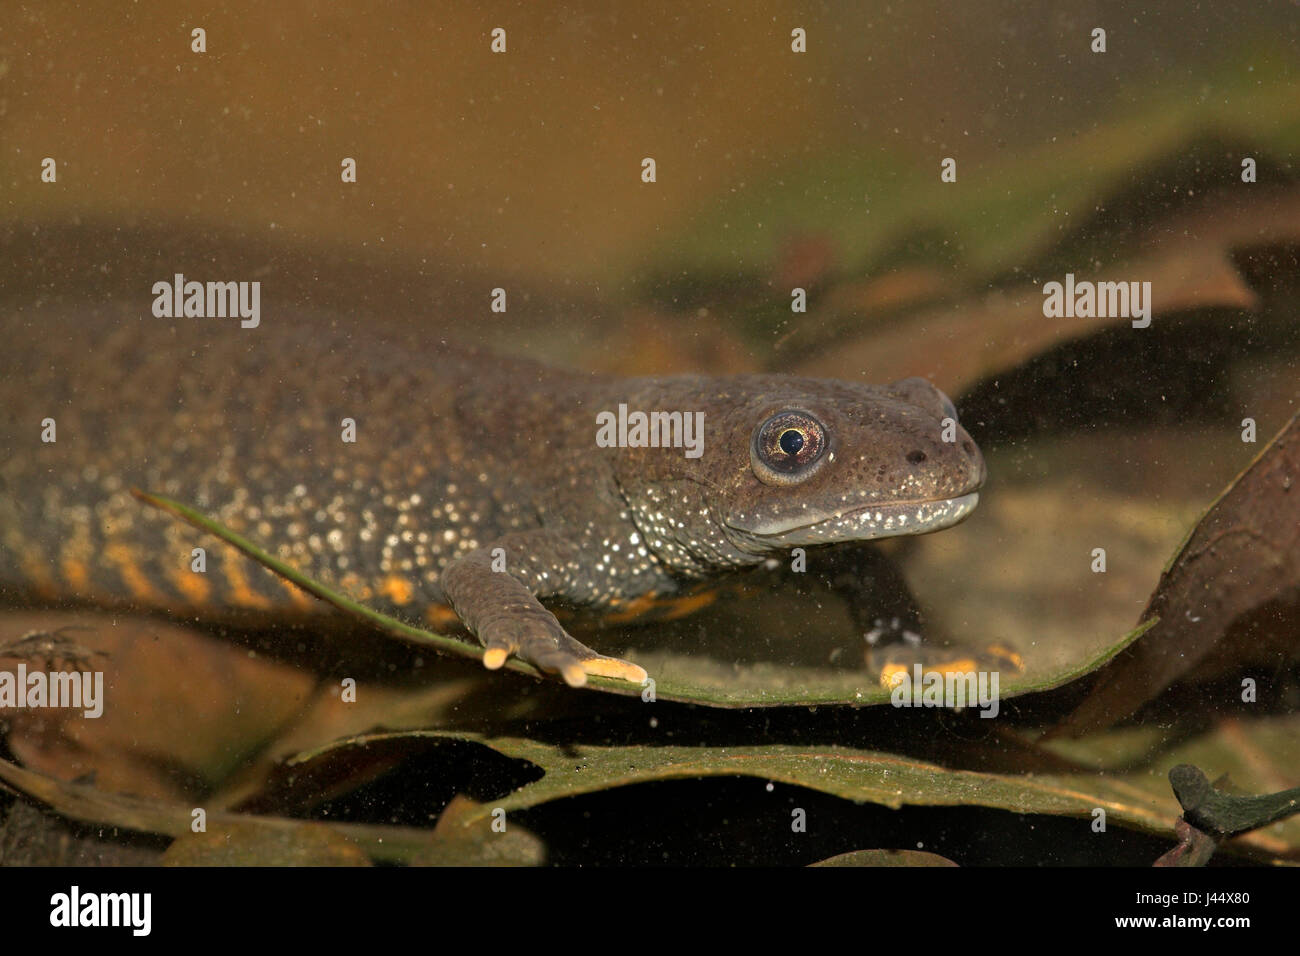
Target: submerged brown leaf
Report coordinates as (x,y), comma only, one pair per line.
(1243,556)
(247,844)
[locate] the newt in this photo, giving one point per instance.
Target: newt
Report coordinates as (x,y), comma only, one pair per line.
(438,483)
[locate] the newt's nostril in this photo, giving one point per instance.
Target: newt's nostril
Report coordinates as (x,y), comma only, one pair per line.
(916,457)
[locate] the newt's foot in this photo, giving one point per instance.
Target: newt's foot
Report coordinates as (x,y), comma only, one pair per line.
(894,652)
(903,662)
(535,636)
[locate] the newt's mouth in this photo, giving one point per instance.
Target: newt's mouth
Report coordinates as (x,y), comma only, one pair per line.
(864,522)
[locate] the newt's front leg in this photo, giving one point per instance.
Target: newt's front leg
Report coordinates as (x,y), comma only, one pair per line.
(495,591)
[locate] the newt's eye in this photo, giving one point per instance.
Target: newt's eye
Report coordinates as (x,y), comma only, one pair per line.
(787,448)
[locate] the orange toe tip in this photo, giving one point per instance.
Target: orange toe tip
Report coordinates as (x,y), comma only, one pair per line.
(615,668)
(574,675)
(494,658)
(635,674)
(892,675)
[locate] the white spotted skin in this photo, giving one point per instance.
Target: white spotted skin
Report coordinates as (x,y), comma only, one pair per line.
(456,451)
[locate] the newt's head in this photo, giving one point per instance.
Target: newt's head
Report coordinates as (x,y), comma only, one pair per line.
(791,462)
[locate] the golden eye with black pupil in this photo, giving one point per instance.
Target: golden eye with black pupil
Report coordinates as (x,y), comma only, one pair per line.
(788,448)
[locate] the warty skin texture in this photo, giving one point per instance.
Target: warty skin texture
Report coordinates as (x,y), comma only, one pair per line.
(457,453)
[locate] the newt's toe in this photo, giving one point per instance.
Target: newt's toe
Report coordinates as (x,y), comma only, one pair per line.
(1008,656)
(574,675)
(494,658)
(613,667)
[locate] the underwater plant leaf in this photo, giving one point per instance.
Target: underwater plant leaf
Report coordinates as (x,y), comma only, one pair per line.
(677,678)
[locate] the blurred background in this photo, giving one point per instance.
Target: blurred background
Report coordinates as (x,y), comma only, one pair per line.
(479,168)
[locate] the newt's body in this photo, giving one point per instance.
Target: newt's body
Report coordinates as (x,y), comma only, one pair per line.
(474,482)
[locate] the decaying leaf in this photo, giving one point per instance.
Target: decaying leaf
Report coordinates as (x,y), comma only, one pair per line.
(247,844)
(1242,556)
